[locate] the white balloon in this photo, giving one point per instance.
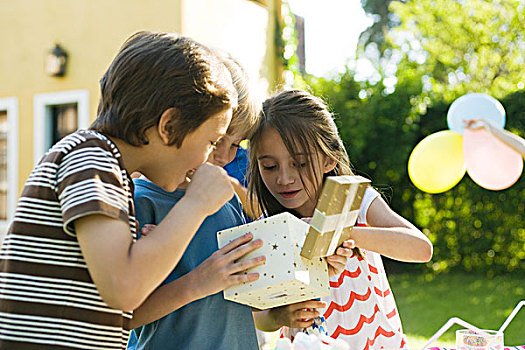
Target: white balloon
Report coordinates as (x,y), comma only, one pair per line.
(475,106)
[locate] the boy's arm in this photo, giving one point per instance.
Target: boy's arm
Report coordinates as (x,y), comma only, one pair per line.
(124,272)
(264,321)
(392,235)
(220,271)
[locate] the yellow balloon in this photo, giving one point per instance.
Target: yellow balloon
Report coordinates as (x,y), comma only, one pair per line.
(436,164)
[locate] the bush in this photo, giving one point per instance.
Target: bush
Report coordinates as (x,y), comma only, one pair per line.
(472,229)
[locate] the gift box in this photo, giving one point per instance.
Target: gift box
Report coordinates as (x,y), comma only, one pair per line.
(286,277)
(335,215)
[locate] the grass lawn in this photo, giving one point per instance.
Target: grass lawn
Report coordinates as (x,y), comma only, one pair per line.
(425,304)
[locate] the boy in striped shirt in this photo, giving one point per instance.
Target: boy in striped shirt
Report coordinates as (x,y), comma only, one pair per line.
(71,271)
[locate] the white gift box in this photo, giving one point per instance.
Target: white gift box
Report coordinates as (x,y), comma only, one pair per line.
(286,277)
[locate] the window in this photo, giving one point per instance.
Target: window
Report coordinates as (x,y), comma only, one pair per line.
(57,115)
(8,160)
(4,134)
(64,121)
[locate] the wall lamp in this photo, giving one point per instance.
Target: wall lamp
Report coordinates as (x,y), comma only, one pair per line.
(56,62)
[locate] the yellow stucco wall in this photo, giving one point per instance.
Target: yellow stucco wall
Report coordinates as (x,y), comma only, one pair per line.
(92,31)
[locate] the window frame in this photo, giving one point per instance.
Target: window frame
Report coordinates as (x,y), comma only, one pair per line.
(41,121)
(10,106)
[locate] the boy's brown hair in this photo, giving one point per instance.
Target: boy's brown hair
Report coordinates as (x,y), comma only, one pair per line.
(246,116)
(156,72)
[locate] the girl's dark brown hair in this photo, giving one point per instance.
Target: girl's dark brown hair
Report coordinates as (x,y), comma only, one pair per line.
(157,72)
(307,127)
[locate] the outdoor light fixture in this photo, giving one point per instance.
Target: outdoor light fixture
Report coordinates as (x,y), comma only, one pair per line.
(56,62)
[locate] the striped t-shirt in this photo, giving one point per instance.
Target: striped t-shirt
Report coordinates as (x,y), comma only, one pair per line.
(47,297)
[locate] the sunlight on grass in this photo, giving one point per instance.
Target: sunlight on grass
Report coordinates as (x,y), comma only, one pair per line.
(425,303)
(416,342)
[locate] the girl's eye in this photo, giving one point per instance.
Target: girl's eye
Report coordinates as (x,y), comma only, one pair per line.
(300,165)
(236,146)
(271,167)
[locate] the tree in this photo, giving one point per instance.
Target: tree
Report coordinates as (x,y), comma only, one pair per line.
(461,46)
(443,50)
(383,22)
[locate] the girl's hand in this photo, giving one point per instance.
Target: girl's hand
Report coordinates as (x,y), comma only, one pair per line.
(337,262)
(222,269)
(298,315)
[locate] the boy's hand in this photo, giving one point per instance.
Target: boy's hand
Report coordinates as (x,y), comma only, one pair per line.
(222,270)
(337,262)
(210,188)
(298,315)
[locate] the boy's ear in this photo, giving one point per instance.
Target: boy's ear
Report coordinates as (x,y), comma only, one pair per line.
(329,164)
(166,124)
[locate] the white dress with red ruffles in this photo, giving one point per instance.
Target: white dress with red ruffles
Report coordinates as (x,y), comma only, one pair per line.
(361,309)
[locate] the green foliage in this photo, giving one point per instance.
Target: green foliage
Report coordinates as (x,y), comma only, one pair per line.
(292,74)
(383,22)
(473,228)
(446,49)
(468,45)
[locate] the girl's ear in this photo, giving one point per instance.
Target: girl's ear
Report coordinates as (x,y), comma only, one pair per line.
(329,164)
(166,125)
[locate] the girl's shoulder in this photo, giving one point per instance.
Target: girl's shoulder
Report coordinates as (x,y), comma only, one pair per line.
(368,198)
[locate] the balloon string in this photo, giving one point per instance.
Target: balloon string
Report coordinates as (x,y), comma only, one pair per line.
(449,324)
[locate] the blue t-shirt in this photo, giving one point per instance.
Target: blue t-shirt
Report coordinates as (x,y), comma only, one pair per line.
(209,323)
(238,166)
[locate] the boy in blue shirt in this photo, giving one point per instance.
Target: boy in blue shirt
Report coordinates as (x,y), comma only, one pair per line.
(199,317)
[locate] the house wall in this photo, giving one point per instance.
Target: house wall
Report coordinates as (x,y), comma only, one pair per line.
(91,31)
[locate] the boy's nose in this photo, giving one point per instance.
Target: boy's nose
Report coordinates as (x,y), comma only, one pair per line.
(219,161)
(219,156)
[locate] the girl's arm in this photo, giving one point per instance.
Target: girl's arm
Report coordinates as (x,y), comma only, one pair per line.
(298,315)
(391,235)
(220,271)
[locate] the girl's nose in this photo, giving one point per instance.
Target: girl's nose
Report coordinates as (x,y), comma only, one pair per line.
(285,177)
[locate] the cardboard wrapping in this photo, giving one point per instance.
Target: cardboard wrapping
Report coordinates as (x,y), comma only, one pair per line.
(335,215)
(286,277)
